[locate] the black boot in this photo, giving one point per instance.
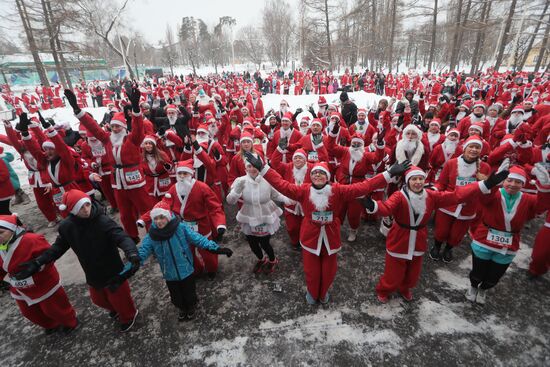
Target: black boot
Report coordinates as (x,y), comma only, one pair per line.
(435,252)
(448,254)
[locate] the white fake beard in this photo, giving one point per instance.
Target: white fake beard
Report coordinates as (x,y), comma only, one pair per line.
(491,120)
(285,133)
(474,118)
(151,161)
(172,120)
(409,146)
(320,197)
(418,202)
(527,115)
(304,131)
(466,169)
(357,153)
(515,120)
(460,115)
(116,139)
(449,147)
(213,130)
(284,110)
(183,186)
(299,174)
(433,138)
(202,139)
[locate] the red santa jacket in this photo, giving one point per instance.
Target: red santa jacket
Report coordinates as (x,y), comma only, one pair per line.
(293,143)
(321,226)
(157,175)
(256,108)
(40,285)
(350,171)
(315,153)
(466,122)
(437,159)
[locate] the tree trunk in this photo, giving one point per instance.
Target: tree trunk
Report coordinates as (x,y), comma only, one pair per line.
(53,46)
(392,33)
(64,68)
(462,27)
(480,37)
(533,36)
(454,51)
(504,40)
(542,47)
(374,53)
(327,30)
(32,43)
(432,46)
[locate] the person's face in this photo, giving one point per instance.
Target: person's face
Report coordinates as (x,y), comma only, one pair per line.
(304,124)
(148,146)
(244,111)
(434,128)
(285,123)
(182,176)
(331,109)
(50,153)
(356,144)
(411,135)
(246,145)
(512,185)
(493,113)
(361,116)
(452,137)
(478,111)
(85,211)
(318,177)
(283,105)
(316,129)
(472,132)
(251,170)
(272,121)
(298,161)
(5,235)
(472,151)
(527,106)
(116,128)
(416,184)
(172,114)
(161,221)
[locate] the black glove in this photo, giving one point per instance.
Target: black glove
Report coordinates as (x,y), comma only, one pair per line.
(167,166)
(161,130)
(196,107)
(44,123)
(399,168)
(421,95)
(223,251)
(135,96)
(283,143)
(115,282)
(136,264)
(24,122)
(335,128)
(71,98)
(196,145)
(368,203)
(29,268)
(495,179)
(255,162)
(312,111)
(299,111)
(219,237)
(217,154)
(220,105)
(380,137)
(317,139)
(515,99)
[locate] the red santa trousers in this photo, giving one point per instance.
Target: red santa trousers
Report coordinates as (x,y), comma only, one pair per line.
(119,301)
(206,261)
(52,312)
(44,201)
(450,229)
(319,271)
(399,275)
(540,257)
(108,190)
(132,204)
(354,211)
(293,224)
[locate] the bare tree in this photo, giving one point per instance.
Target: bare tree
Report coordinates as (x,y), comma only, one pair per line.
(169,51)
(249,39)
(504,39)
(277,30)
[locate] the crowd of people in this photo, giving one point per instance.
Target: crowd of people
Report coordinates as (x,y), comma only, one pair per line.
(471,153)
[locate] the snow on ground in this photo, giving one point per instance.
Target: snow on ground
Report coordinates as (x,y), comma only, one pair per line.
(243,321)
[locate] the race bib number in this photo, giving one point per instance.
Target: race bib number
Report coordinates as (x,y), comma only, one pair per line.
(132,176)
(322,217)
(193,225)
(165,182)
(260,230)
(500,237)
(463,181)
(58,198)
(99,152)
(312,156)
(23,283)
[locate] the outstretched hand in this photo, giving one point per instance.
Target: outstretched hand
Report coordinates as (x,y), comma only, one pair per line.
(71,98)
(398,169)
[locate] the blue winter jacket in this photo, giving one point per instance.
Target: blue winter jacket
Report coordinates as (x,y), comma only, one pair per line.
(174,255)
(8,158)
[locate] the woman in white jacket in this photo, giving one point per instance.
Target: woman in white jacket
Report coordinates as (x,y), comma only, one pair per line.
(258,216)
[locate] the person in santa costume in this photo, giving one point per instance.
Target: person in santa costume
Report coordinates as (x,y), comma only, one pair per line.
(496,239)
(412,208)
(128,179)
(258,215)
(433,137)
(197,205)
(320,232)
(442,153)
(156,166)
(40,296)
(410,147)
(314,143)
(236,167)
(171,241)
(477,115)
(287,133)
(452,223)
(95,239)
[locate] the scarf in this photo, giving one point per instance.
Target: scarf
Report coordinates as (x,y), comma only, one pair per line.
(510,200)
(164,234)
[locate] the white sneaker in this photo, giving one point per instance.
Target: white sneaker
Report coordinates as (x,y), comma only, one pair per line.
(352,236)
(471,294)
(481,295)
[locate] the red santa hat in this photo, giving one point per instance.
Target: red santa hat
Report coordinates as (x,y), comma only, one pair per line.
(413,127)
(185,166)
(474,139)
(480,105)
(317,122)
(477,126)
(518,173)
(248,121)
(436,121)
(300,152)
(529,100)
(48,144)
(361,110)
(208,113)
(467,104)
(454,130)
(9,222)
(414,171)
(171,108)
(73,200)
(287,116)
(119,119)
(518,109)
(246,136)
(305,119)
(161,208)
(149,139)
(322,101)
(203,128)
(357,138)
(321,166)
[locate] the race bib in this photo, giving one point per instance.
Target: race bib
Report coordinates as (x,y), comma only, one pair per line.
(500,237)
(463,181)
(193,225)
(99,152)
(23,283)
(58,198)
(322,217)
(312,156)
(132,176)
(259,230)
(165,182)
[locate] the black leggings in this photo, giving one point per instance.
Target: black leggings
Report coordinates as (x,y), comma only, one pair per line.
(486,273)
(183,293)
(5,207)
(258,243)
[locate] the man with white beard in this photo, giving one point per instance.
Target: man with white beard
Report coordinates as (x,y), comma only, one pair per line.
(287,133)
(530,115)
(128,179)
(283,109)
(477,115)
(442,153)
(505,127)
(433,137)
(411,148)
(304,125)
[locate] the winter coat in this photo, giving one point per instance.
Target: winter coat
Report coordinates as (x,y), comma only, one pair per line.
(7,158)
(172,252)
(95,241)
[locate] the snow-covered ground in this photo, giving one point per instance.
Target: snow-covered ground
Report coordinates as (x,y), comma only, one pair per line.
(244,321)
